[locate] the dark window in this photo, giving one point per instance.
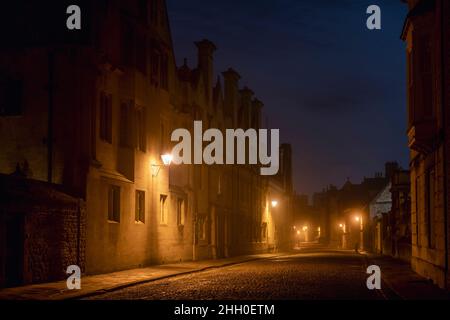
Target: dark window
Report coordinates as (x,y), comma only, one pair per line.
(127,44)
(114,203)
(141,53)
(154,63)
(140,206)
(126,125)
(201,228)
(417,208)
(430,210)
(426,75)
(141,143)
(410,88)
(180,212)
(10,97)
(163,209)
(143,10)
(106,117)
(164,72)
(154,12)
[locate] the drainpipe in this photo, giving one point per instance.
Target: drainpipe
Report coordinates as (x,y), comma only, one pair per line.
(444,140)
(51,66)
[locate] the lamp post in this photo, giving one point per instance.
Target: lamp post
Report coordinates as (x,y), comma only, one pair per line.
(274,204)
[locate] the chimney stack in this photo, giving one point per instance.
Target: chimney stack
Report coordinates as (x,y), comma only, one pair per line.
(231,93)
(205,65)
(246,106)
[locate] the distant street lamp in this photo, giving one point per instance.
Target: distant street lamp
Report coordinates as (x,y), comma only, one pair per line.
(274,203)
(305,228)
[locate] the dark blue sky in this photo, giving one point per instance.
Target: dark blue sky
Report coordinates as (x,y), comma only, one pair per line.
(335,89)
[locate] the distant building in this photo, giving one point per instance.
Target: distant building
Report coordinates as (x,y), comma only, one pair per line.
(390,216)
(379,207)
(426,33)
(344,212)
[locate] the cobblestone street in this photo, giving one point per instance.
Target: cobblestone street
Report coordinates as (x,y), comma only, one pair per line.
(312,274)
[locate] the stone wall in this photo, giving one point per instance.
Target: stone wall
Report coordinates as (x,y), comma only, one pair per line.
(50,233)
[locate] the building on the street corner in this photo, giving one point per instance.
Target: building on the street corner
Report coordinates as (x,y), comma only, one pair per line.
(379,208)
(426,33)
(344,212)
(91,116)
(390,218)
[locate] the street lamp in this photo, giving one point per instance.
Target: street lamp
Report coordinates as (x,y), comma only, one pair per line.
(274,203)
(166,160)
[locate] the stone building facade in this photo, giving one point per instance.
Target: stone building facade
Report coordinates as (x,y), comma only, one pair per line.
(426,34)
(93,113)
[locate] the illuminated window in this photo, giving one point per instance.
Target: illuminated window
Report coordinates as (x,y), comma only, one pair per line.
(163,209)
(140,206)
(114,203)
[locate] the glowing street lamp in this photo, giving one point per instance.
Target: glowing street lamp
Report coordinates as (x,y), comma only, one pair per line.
(166,160)
(305,228)
(274,203)
(341,225)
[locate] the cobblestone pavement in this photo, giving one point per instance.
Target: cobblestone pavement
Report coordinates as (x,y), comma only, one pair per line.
(310,274)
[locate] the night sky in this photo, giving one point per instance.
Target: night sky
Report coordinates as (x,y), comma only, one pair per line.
(335,89)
